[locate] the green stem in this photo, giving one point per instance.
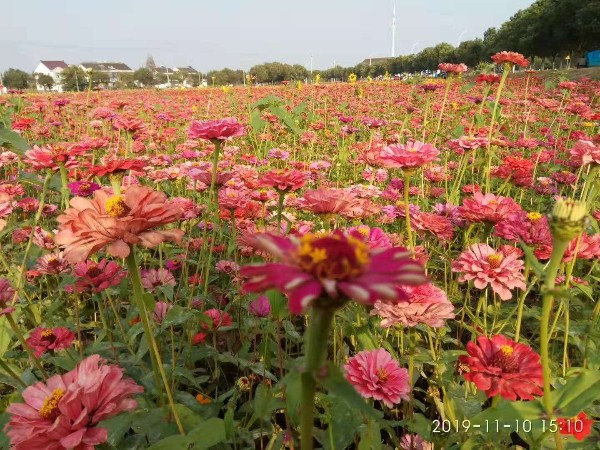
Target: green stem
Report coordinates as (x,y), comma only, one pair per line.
(412,343)
(444,101)
(280,209)
(25,345)
(558,250)
(12,373)
(158,369)
(522,302)
(64,189)
(507,68)
(315,352)
(407,177)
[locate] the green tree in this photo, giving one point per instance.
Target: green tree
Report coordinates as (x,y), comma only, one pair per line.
(16,79)
(144,76)
(74,78)
(46,81)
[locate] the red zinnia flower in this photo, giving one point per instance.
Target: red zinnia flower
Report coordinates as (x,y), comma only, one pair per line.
(511,58)
(43,339)
(579,426)
(97,276)
(501,366)
(284,180)
(118,166)
(335,265)
(375,374)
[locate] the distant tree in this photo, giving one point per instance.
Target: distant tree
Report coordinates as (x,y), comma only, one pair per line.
(98,78)
(74,78)
(125,81)
(150,64)
(16,79)
(144,76)
(225,77)
(46,81)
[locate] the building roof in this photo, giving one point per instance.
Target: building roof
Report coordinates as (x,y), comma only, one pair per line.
(106,66)
(377,60)
(51,65)
(188,69)
(163,69)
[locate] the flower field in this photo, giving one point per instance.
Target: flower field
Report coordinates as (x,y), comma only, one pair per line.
(371,265)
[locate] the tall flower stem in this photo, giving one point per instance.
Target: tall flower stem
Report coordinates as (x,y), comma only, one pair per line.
(157,366)
(64,188)
(505,73)
(444,101)
(12,373)
(315,353)
(558,250)
(280,209)
(521,304)
(412,343)
(25,345)
(214,205)
(407,177)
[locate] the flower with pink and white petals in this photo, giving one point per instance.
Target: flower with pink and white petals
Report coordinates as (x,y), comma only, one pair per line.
(585,152)
(375,374)
(333,266)
(502,270)
(411,155)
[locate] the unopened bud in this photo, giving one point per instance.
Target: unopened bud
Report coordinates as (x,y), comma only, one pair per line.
(567,219)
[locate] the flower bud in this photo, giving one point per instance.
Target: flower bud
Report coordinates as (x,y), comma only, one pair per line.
(567,219)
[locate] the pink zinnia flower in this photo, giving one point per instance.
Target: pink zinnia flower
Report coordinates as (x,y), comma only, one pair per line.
(414,442)
(154,278)
(453,68)
(63,412)
(328,201)
(261,307)
(440,226)
(426,304)
(97,276)
(219,129)
(410,156)
(374,237)
(585,152)
(485,266)
(219,319)
(584,247)
(487,208)
(513,58)
(52,264)
(375,374)
(160,311)
(531,228)
(7,294)
(284,180)
(501,366)
(43,339)
(337,265)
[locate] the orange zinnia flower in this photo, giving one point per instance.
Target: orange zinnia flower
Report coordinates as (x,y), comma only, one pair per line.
(116,222)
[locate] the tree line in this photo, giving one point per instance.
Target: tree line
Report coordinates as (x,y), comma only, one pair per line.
(544,31)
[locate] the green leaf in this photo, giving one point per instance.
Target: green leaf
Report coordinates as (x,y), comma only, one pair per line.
(5,335)
(370,437)
(171,442)
(263,399)
(339,387)
(577,393)
(458,132)
(117,427)
(176,316)
(293,388)
(278,304)
(207,434)
(13,141)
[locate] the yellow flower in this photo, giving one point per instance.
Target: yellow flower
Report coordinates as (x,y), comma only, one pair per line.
(352,78)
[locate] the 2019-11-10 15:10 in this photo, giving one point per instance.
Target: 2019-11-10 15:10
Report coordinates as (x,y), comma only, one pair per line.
(497,426)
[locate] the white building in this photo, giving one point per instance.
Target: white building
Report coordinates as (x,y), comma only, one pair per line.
(113,69)
(52,68)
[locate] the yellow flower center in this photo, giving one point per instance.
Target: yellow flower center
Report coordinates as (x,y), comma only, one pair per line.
(47,333)
(507,350)
(363,230)
(49,409)
(115,206)
(494,260)
(382,374)
(332,256)
(534,216)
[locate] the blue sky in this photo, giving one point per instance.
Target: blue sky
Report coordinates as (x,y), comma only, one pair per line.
(236,33)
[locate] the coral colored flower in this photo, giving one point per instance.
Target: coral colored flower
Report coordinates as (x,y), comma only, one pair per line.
(584,247)
(426,304)
(52,264)
(63,412)
(328,201)
(97,276)
(409,156)
(487,208)
(116,223)
(440,226)
(43,339)
(336,265)
(488,78)
(485,266)
(501,366)
(219,129)
(453,68)
(375,374)
(117,166)
(198,338)
(219,319)
(232,198)
(154,278)
(585,152)
(7,293)
(579,426)
(510,57)
(261,307)
(283,180)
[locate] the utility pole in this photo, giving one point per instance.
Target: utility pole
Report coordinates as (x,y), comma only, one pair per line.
(311,66)
(394,29)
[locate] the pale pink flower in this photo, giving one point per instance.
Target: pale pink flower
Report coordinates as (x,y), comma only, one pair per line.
(485,266)
(411,155)
(585,152)
(154,278)
(375,374)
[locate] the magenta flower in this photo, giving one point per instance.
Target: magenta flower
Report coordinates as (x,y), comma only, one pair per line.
(487,208)
(261,307)
(219,129)
(63,413)
(337,265)
(501,270)
(585,152)
(375,374)
(97,276)
(83,188)
(410,156)
(42,340)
